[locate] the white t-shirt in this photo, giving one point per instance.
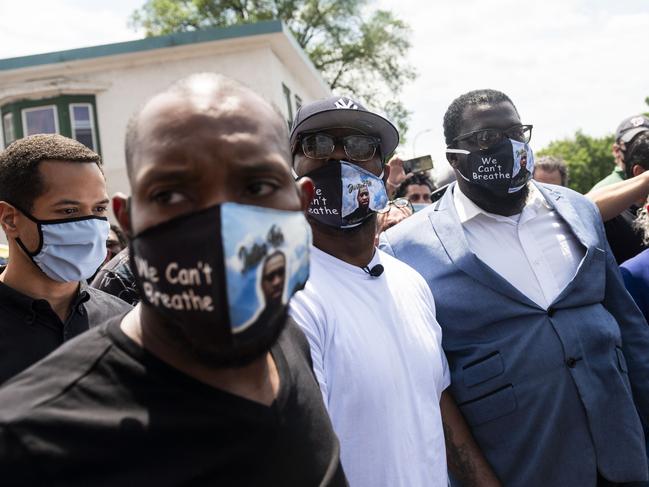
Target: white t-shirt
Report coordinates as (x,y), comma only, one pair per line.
(377,354)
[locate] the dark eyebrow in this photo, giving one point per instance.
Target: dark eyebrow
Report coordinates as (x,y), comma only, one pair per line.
(262,167)
(158,174)
(67,202)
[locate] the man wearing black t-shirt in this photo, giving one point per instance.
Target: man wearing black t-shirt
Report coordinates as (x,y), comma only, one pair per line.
(53,207)
(179,391)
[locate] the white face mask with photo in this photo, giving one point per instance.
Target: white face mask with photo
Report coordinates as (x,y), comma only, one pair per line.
(223,276)
(345,195)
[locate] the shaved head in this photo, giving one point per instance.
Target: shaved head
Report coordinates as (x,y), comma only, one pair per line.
(202,95)
(204,142)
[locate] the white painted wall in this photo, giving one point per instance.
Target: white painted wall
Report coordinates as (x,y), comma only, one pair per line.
(122,83)
(130,86)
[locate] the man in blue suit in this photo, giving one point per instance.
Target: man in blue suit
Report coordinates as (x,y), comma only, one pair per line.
(549,356)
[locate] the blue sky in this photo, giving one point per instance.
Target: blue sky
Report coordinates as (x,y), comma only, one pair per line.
(567,64)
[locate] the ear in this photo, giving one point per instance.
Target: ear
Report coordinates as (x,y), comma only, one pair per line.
(452,159)
(121,212)
(306,189)
(386,173)
(637,169)
(618,152)
(8,216)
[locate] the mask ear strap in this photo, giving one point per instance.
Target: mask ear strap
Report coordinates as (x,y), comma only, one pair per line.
(36,252)
(40,233)
(26,213)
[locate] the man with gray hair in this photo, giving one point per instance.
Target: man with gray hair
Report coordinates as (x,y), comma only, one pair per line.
(551,170)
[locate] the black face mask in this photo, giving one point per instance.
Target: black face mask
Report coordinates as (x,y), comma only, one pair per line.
(502,169)
(345,195)
(221,278)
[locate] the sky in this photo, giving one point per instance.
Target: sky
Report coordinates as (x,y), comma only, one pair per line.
(567,64)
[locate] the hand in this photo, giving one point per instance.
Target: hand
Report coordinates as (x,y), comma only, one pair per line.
(396,176)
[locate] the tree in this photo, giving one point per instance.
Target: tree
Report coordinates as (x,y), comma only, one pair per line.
(589,159)
(359,51)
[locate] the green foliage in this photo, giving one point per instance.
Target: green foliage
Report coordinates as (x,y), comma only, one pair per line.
(358,51)
(589,159)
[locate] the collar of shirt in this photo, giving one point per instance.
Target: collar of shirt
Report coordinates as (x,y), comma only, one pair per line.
(468,210)
(19,301)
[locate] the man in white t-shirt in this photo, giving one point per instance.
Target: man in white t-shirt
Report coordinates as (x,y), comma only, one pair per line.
(369,318)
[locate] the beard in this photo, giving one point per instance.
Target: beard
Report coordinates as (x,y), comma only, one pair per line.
(231,351)
(336,232)
(507,204)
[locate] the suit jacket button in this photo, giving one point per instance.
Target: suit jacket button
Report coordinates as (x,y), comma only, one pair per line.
(551,312)
(571,362)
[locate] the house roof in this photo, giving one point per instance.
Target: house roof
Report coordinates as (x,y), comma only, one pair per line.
(146,44)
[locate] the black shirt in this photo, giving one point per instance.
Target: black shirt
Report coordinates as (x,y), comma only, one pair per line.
(102,411)
(625,241)
(116,278)
(30,329)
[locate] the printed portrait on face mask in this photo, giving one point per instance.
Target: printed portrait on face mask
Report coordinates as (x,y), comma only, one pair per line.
(363,194)
(523,164)
(345,194)
(266,263)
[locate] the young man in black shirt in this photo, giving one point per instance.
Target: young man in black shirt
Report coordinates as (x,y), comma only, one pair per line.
(191,387)
(53,207)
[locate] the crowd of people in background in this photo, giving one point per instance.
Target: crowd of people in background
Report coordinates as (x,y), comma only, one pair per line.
(302,308)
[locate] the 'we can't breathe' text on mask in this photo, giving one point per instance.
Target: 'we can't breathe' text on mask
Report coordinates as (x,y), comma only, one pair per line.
(502,169)
(345,195)
(224,275)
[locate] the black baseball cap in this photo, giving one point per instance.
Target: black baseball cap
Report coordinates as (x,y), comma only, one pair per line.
(630,127)
(343,112)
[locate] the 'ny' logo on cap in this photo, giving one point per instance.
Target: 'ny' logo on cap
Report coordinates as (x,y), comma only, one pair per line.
(346,103)
(637,121)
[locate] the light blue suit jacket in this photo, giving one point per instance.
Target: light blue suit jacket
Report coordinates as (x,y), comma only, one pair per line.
(551,395)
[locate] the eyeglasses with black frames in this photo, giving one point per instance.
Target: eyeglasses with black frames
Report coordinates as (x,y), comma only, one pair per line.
(487,138)
(357,147)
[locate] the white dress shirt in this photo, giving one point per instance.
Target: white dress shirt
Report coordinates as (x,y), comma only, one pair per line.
(534,250)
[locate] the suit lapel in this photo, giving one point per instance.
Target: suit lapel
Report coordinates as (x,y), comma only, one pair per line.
(567,212)
(587,237)
(448,228)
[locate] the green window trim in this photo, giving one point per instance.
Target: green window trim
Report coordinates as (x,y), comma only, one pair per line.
(62,104)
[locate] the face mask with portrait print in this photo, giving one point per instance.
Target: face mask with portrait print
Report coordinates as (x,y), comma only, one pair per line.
(345,195)
(223,276)
(502,169)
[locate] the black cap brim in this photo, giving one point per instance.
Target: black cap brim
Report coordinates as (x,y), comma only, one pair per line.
(366,122)
(630,134)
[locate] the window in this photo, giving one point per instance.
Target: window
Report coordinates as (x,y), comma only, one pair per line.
(40,120)
(8,126)
(298,103)
(73,116)
(82,124)
(289,105)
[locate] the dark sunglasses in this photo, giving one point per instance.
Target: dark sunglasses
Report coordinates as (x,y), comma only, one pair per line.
(489,137)
(357,147)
